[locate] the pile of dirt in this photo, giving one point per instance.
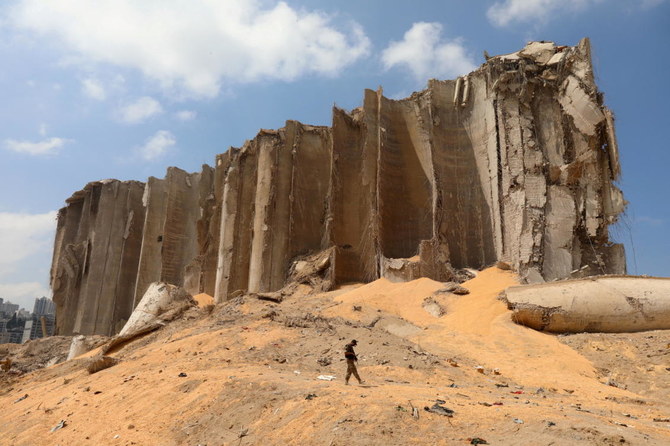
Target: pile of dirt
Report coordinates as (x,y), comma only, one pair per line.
(254,371)
(37,353)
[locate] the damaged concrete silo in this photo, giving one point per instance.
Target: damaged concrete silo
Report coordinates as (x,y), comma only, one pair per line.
(514,162)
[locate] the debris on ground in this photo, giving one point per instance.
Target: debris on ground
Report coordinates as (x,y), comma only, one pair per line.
(325,377)
(60,425)
(101,363)
(415,411)
(453,288)
(6,364)
(439,409)
(275,297)
(229,380)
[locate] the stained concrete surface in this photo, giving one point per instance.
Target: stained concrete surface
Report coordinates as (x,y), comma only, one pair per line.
(515,162)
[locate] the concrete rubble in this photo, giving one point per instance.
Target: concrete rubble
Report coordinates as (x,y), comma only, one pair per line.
(515,162)
(159,299)
(607,304)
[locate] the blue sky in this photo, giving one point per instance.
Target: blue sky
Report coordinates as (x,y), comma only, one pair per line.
(121,89)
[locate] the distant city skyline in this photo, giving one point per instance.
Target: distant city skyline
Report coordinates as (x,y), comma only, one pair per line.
(4,301)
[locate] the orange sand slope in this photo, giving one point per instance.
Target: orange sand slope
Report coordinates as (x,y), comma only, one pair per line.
(203,299)
(246,374)
(477,326)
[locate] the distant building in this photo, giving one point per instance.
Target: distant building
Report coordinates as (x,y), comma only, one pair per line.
(7,308)
(12,322)
(44,305)
(33,327)
(11,337)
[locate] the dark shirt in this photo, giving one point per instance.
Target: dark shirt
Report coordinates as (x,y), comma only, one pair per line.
(349,352)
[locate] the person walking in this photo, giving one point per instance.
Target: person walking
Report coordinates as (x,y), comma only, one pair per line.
(350,356)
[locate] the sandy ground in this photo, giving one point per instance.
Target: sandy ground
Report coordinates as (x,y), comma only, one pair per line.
(246,373)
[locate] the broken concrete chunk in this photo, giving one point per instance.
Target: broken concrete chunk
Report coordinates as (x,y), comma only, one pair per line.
(539,52)
(577,103)
(612,144)
(503,265)
(556,58)
(454,288)
(433,307)
(611,304)
(101,363)
(272,297)
(78,347)
(61,424)
(401,270)
(159,299)
(440,410)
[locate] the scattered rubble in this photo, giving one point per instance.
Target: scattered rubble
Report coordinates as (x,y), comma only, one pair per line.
(440,410)
(161,302)
(99,363)
(60,425)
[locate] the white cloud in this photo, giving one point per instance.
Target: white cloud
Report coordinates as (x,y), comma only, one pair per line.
(517,11)
(23,235)
(143,108)
(157,145)
(426,55)
(186,115)
(651,221)
(47,147)
(42,130)
(647,4)
(93,89)
(197,46)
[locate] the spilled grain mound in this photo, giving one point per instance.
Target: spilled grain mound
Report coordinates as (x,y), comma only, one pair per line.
(247,374)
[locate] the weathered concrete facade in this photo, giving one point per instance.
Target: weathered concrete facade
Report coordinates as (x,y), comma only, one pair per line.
(96,254)
(515,162)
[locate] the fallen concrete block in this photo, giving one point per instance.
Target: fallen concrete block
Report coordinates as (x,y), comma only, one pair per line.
(101,363)
(78,347)
(272,297)
(611,304)
(6,364)
(161,298)
(454,288)
(401,270)
(82,344)
(118,341)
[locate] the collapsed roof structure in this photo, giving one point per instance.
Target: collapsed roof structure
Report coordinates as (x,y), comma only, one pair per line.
(514,162)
